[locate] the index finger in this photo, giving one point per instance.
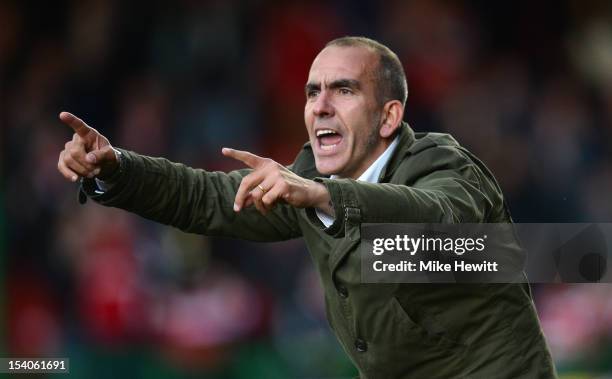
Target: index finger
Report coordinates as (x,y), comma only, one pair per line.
(78,125)
(250,159)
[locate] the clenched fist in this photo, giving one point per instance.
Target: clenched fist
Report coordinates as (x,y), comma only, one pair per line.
(88,154)
(271,183)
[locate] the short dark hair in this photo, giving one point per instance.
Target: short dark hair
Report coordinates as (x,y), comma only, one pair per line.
(390,76)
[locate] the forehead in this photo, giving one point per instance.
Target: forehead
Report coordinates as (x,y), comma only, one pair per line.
(343,62)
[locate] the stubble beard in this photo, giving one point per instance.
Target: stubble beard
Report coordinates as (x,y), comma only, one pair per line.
(372,141)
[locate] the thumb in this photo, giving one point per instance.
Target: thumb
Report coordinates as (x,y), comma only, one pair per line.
(101,156)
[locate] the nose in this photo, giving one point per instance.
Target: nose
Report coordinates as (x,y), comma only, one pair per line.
(323,106)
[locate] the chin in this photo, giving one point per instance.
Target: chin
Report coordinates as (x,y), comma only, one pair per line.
(324,170)
(327,168)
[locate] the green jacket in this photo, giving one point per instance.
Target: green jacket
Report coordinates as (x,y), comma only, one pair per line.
(422,331)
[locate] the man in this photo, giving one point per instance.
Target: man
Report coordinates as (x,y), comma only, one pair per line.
(361,165)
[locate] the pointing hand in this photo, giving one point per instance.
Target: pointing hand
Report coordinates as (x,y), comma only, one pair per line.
(88,154)
(271,183)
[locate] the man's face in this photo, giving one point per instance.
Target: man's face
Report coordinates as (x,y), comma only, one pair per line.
(342,113)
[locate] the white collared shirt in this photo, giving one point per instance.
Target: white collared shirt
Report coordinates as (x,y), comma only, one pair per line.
(370,175)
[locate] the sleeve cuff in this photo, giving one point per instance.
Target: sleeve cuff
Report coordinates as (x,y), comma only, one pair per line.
(335,192)
(117,181)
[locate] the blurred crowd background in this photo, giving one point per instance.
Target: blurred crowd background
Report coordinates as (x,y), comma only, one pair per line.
(527,87)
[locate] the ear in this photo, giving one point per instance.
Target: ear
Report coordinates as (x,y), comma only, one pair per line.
(392,115)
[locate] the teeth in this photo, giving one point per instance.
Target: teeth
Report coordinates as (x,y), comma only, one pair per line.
(324,132)
(328,147)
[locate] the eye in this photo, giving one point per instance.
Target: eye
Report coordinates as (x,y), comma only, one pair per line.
(312,93)
(345,91)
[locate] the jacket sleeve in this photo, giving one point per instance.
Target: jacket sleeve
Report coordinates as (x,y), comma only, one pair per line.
(192,200)
(441,185)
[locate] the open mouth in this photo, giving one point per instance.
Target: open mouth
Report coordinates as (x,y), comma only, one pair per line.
(328,139)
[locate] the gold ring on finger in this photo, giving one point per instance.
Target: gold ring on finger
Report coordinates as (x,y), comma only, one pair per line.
(263,190)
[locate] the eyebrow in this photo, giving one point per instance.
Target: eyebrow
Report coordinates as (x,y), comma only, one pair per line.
(350,83)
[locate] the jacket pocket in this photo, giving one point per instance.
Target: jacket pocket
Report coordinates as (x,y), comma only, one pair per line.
(400,347)
(436,339)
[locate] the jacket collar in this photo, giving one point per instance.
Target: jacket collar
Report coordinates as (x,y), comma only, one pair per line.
(406,139)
